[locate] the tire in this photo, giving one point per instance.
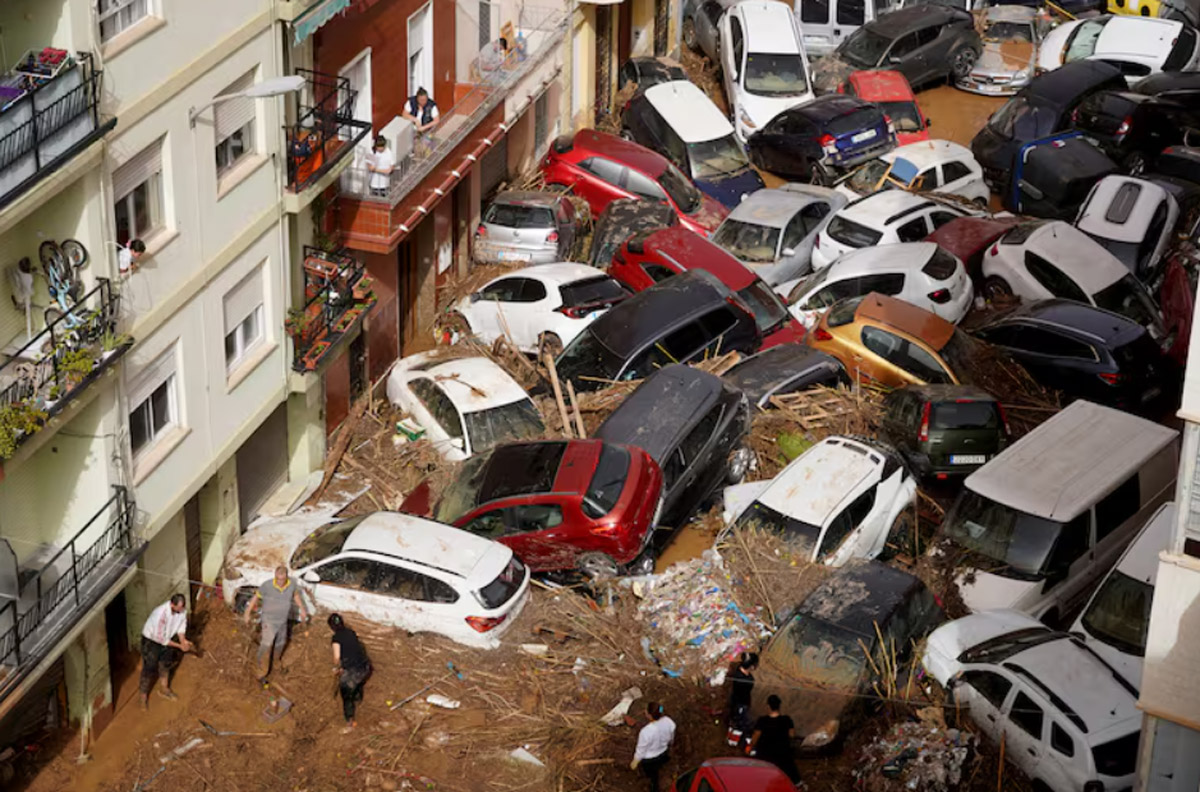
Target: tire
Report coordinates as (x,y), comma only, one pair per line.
(962,61)
(549,342)
(76,253)
(54,261)
(627,134)
(996,288)
(689,34)
(597,566)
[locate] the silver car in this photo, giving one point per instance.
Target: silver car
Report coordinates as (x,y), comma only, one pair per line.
(526,228)
(772,231)
(1011,35)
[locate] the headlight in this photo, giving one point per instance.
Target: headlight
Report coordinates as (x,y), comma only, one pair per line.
(745,119)
(1024,74)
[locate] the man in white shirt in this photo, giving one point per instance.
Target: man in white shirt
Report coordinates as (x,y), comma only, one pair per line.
(128,255)
(164,640)
(380,162)
(654,742)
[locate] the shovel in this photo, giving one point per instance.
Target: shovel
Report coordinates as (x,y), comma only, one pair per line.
(213,730)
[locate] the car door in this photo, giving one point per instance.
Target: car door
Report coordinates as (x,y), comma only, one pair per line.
(844,538)
(984,693)
(733,54)
(603,182)
(912,230)
(900,58)
(1064,755)
(428,604)
(800,233)
(526,318)
(956,177)
(1024,725)
(484,312)
(339,584)
(707,34)
(702,469)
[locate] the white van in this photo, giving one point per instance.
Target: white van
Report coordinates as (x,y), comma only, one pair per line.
(1115,622)
(1050,514)
(825,23)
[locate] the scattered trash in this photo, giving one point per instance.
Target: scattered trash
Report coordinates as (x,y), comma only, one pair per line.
(915,755)
(187,747)
(616,715)
(537,650)
(438,700)
(523,755)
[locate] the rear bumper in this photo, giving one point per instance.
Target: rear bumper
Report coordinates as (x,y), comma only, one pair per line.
(847,158)
(490,253)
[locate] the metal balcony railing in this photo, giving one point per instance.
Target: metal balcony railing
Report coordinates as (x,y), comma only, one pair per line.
(325,130)
(65,588)
(49,121)
(542,30)
(337,292)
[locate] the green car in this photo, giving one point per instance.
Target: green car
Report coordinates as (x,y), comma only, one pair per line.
(944,430)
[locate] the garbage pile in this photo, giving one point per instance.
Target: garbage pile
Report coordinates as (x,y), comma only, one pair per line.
(922,755)
(696,626)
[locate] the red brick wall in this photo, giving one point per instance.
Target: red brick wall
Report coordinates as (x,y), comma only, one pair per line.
(384,28)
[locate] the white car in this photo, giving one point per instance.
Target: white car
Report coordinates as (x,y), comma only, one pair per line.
(1132,218)
(838,500)
(1138,46)
(920,273)
(924,166)
(882,218)
(1064,716)
(1117,617)
(540,308)
(390,568)
(763,62)
(1042,259)
(465,405)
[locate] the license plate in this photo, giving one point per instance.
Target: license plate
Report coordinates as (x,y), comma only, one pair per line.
(861,136)
(508,255)
(968,459)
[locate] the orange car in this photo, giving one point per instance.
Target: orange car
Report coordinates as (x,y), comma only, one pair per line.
(890,341)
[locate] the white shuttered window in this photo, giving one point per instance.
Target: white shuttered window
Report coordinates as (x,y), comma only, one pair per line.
(138,194)
(244,314)
(233,123)
(153,401)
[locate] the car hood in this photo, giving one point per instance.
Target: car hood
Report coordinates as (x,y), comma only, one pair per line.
(739,497)
(947,642)
(984,591)
(761,109)
(830,72)
(732,189)
(1004,57)
(268,544)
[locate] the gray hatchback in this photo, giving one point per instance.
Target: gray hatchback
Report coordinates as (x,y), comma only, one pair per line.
(526,227)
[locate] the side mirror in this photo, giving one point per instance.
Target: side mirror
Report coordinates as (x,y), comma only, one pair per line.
(311,577)
(458,443)
(788,252)
(475,297)
(928,123)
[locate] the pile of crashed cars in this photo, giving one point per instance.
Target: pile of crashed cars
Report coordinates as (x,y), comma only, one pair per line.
(866,267)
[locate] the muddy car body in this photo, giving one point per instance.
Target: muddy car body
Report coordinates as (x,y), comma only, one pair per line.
(733,774)
(891,91)
(525,227)
(622,219)
(944,430)
(1010,43)
(928,166)
(784,369)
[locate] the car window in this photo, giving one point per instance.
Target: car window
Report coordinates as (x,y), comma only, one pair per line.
(490,525)
(531,291)
(718,322)
(993,687)
(1053,279)
(694,443)
(1046,342)
(351,572)
(903,46)
(1117,506)
(849,519)
(938,219)
(438,404)
(713,11)
(672,469)
(603,169)
(738,40)
(684,782)
(1027,715)
(504,290)
(640,184)
(831,293)
(1073,541)
(889,283)
(928,180)
(394,581)
(912,231)
(1061,741)
(685,341)
(531,517)
(1005,335)
(883,343)
(927,34)
(953,171)
(814,12)
(851,12)
(1129,68)
(1153,233)
(804,223)
(704,786)
(924,365)
(648,361)
(657,272)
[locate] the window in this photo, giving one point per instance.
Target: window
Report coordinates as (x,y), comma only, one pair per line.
(657,272)
(953,171)
(1061,741)
(536,517)
(117,16)
(1073,542)
(244,319)
(903,46)
(926,35)
(640,184)
(704,786)
(541,123)
(153,416)
(435,400)
(532,291)
(352,572)
(851,12)
(1129,68)
(928,180)
(244,339)
(713,10)
(912,231)
(993,687)
(1046,342)
(485,24)
(814,12)
(939,219)
(739,43)
(891,283)
(138,191)
(233,124)
(605,170)
(506,290)
(803,224)
(850,518)
(696,439)
(718,322)
(490,525)
(1052,279)
(1117,506)
(682,343)
(1027,715)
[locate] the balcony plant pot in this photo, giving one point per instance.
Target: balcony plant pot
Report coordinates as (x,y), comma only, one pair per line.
(362,288)
(313,356)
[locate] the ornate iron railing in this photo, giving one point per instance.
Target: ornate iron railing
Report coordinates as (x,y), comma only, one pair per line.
(337,292)
(325,130)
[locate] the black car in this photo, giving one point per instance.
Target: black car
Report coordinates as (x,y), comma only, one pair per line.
(1085,352)
(693,424)
(1054,176)
(831,132)
(1175,85)
(1038,111)
(1134,128)
(684,318)
(650,71)
(924,43)
(784,368)
(944,430)
(622,219)
(817,660)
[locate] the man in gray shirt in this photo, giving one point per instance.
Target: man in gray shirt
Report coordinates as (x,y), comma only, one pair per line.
(276,596)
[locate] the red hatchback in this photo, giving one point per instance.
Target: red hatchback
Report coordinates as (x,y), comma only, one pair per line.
(643,261)
(891,91)
(601,168)
(561,505)
(734,775)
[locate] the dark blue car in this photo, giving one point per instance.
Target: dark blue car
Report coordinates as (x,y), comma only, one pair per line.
(814,141)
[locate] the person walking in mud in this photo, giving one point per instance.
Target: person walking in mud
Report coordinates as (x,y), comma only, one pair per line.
(352,667)
(772,739)
(277,596)
(164,642)
(741,687)
(654,743)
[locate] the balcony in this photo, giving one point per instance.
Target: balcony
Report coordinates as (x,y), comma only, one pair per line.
(44,599)
(320,142)
(375,219)
(40,378)
(49,113)
(337,295)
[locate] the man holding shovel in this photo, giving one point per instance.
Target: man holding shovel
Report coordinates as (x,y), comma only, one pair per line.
(164,640)
(277,596)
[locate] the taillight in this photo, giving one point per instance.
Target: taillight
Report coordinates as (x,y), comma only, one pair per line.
(995,251)
(1003,418)
(573,311)
(821,334)
(552,236)
(827,143)
(1111,379)
(891,127)
(923,434)
(606,530)
(940,296)
(1124,128)
(484,623)
(481,231)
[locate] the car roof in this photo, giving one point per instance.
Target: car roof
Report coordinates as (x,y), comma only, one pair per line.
(769,26)
(905,20)
(1070,249)
(1147,196)
(688,111)
(1010,13)
(528,198)
(826,108)
(739,774)
(429,543)
(1058,470)
(625,327)
(1169,81)
(965,236)
(475,383)
(879,209)
(775,206)
(560,272)
(1110,328)
(879,85)
(757,373)
(690,251)
(924,153)
(905,317)
(1146,37)
(940,392)
(898,257)
(661,409)
(518,469)
(814,484)
(1068,82)
(592,141)
(860,595)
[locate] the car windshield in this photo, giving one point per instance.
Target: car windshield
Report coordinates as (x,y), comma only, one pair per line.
(809,648)
(592,291)
(748,241)
(712,159)
(586,356)
(324,542)
(864,48)
(463,492)
(1018,542)
(514,216)
(682,192)
(518,420)
(868,177)
(852,234)
(1117,757)
(1120,613)
(1081,42)
(1002,30)
(608,482)
(1129,298)
(905,116)
(502,589)
(1022,119)
(760,516)
(775,74)
(769,311)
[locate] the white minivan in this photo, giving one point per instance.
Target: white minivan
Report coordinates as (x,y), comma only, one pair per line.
(1115,622)
(1050,514)
(825,23)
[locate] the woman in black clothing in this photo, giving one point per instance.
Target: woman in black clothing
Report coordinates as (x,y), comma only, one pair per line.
(352,667)
(741,686)
(772,739)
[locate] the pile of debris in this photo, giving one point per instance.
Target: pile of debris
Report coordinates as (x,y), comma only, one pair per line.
(797,420)
(923,754)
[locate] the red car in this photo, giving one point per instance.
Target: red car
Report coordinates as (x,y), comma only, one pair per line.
(734,775)
(968,237)
(891,91)
(561,505)
(601,168)
(643,261)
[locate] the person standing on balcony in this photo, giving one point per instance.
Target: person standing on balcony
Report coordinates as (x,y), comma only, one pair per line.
(277,596)
(164,640)
(380,163)
(421,110)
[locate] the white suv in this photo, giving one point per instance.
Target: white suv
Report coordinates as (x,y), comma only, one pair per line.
(1138,46)
(881,218)
(1065,717)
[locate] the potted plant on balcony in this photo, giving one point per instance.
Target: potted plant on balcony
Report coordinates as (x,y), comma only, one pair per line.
(18,421)
(75,364)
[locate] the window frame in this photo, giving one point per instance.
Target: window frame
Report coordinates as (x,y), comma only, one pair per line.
(245,136)
(245,348)
(154,210)
(115,10)
(153,435)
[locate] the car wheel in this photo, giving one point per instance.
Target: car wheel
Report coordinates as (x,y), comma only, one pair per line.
(450,327)
(627,134)
(996,288)
(962,61)
(643,564)
(739,464)
(982,203)
(689,34)
(549,343)
(597,566)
